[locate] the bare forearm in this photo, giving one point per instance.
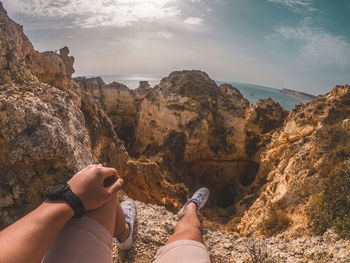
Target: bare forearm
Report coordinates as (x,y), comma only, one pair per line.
(29,238)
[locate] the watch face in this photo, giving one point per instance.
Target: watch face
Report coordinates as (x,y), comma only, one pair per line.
(55,191)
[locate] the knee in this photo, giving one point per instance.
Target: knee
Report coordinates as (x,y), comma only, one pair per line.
(187,228)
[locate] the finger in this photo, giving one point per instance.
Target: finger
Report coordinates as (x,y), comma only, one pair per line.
(107,176)
(114,188)
(109,181)
(107,172)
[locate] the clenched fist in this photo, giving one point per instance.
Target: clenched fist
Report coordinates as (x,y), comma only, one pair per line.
(95,185)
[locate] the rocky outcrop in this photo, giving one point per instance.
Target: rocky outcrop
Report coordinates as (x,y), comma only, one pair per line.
(204,134)
(190,104)
(21,63)
(195,132)
(120,103)
(42,140)
(49,127)
(313,142)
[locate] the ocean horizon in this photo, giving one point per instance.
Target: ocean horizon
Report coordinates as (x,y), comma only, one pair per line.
(251,92)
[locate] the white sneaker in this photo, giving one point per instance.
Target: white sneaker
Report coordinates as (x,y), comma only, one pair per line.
(200,197)
(129,209)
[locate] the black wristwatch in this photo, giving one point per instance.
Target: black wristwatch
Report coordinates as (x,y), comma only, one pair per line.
(63,192)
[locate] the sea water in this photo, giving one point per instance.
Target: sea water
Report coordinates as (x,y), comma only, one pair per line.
(249,91)
(254,93)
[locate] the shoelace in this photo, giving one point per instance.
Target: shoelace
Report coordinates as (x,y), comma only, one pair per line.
(128,213)
(201,197)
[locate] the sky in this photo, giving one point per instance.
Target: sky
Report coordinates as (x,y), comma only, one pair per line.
(302,45)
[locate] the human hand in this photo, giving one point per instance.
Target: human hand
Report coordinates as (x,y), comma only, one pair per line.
(95,185)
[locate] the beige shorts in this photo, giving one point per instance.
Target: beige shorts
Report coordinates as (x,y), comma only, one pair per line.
(184,251)
(81,240)
(85,240)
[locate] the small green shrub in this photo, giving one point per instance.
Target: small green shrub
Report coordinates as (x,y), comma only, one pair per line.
(331,209)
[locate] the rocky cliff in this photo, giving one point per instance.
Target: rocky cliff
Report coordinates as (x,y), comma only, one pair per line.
(258,162)
(49,127)
(312,145)
(196,132)
(265,167)
(43,137)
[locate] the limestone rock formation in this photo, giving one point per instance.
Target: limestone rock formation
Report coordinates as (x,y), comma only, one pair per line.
(190,104)
(46,122)
(21,63)
(312,143)
(204,134)
(14,44)
(194,131)
(120,103)
(42,140)
(111,116)
(50,128)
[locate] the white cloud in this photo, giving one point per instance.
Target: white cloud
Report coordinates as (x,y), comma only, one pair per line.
(95,13)
(297,6)
(195,1)
(193,21)
(166,35)
(318,45)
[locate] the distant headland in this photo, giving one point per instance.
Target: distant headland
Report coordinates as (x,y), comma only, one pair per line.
(298,94)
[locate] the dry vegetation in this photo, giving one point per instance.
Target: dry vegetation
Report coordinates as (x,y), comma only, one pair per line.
(276,221)
(258,251)
(331,208)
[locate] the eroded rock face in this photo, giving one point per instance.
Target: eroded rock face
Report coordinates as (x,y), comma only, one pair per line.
(50,128)
(46,122)
(191,104)
(313,142)
(202,134)
(43,140)
(188,131)
(13,44)
(120,103)
(19,62)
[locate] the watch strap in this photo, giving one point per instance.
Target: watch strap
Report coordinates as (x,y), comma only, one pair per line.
(74,201)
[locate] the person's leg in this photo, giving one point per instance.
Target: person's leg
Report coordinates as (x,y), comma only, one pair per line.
(111,216)
(189,227)
(186,244)
(90,239)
